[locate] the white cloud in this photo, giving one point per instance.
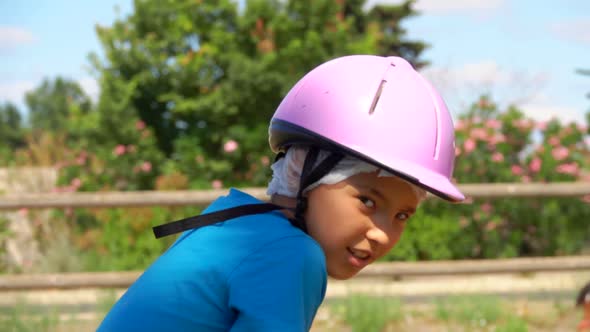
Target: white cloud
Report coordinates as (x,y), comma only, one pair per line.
(14,92)
(574,30)
(11,37)
(484,72)
(462,85)
(448,6)
(90,86)
(546,112)
(445,7)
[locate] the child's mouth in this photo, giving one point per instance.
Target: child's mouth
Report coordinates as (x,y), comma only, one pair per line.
(358,258)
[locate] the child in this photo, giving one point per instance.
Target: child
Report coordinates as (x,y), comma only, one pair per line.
(583,301)
(360,140)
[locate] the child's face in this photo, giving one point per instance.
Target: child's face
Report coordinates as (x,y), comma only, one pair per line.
(358,220)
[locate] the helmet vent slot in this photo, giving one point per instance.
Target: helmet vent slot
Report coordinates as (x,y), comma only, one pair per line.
(377,96)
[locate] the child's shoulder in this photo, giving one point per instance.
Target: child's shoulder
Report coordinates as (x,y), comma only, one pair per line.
(237,238)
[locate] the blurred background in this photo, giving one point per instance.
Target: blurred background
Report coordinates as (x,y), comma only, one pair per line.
(159,96)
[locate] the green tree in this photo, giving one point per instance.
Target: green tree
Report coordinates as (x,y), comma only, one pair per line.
(12,133)
(11,126)
(50,103)
(387,19)
(201,74)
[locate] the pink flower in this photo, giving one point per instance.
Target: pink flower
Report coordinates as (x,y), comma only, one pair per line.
(469,145)
(486,207)
(479,133)
(119,150)
(493,123)
(526,179)
(542,125)
(146,166)
(497,157)
(460,125)
(535,165)
(560,153)
(522,124)
(265,160)
(516,170)
(497,138)
(230,146)
(216,184)
(490,226)
(586,199)
(23,212)
(457,151)
(568,168)
(81,160)
(554,141)
(76,183)
(140,125)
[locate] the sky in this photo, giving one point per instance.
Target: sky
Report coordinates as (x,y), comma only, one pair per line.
(519,52)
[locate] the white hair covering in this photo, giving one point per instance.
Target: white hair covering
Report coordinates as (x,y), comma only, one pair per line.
(286,172)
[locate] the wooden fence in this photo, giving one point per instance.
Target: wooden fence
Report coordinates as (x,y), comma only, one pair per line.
(379,270)
(204,197)
(392,270)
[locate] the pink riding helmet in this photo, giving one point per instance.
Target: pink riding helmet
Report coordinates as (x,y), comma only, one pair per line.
(378,109)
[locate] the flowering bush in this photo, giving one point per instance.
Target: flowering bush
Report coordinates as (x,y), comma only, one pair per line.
(494,146)
(131,164)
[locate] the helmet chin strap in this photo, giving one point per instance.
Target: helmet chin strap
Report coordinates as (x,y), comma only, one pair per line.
(310,175)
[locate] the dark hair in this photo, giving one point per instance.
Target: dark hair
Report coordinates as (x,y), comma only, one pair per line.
(581,299)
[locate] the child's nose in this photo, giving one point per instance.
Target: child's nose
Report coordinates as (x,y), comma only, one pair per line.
(378,236)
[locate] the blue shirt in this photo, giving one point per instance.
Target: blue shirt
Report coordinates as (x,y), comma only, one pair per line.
(251,273)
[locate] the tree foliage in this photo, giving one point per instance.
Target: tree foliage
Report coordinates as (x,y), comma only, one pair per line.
(50,103)
(201,74)
(11,126)
(12,132)
(187,90)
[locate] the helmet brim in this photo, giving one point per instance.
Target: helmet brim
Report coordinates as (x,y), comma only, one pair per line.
(284,134)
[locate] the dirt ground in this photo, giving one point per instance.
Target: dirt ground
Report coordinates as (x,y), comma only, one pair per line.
(541,316)
(534,302)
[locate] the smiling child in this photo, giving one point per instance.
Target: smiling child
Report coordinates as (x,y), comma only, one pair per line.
(360,141)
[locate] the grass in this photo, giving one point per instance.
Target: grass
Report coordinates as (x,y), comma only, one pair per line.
(22,318)
(370,314)
(476,311)
(455,313)
(354,313)
(26,317)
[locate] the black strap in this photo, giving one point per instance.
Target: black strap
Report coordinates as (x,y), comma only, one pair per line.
(309,175)
(322,169)
(212,218)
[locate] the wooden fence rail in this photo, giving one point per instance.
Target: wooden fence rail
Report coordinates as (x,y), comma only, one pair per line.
(377,270)
(204,197)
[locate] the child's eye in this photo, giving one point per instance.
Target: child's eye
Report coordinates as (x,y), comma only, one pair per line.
(367,202)
(402,216)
